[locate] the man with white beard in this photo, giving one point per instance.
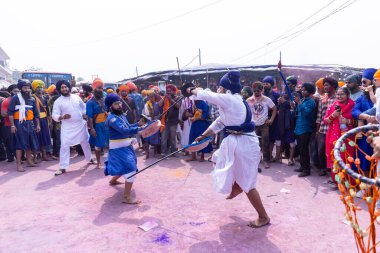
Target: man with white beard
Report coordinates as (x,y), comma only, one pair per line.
(70,110)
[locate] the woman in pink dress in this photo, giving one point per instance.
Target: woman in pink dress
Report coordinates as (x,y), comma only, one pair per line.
(338,117)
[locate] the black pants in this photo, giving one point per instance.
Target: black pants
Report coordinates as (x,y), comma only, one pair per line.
(56,134)
(303,141)
(9,143)
(2,142)
(321,139)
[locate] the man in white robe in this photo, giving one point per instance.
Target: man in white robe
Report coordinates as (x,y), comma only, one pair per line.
(237,159)
(184,114)
(70,110)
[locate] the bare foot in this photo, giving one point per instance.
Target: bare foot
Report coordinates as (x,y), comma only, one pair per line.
(260,222)
(47,159)
(115,182)
(20,169)
(31,165)
(234,193)
(190,159)
(202,160)
(266,165)
(131,201)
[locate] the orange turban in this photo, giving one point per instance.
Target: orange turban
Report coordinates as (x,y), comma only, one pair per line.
(51,89)
(132,86)
(377,75)
(341,83)
(124,87)
(97,83)
(319,83)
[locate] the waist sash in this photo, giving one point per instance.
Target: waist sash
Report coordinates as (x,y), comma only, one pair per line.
(247,127)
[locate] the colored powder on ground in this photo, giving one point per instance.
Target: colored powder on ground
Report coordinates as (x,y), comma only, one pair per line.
(162,239)
(192,223)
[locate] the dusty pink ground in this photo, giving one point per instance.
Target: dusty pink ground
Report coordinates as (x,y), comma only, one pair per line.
(80,212)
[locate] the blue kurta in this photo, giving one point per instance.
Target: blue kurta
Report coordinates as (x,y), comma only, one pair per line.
(139,102)
(121,156)
(25,137)
(199,126)
(362,104)
(43,136)
(92,110)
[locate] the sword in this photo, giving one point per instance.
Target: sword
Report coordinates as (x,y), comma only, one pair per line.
(175,152)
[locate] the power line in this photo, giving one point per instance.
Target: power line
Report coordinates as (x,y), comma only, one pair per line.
(303,30)
(284,35)
(195,57)
(145,27)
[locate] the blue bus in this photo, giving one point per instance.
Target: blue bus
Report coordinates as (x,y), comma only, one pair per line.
(48,77)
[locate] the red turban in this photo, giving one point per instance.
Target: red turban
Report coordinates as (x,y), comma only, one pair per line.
(132,86)
(171,87)
(97,83)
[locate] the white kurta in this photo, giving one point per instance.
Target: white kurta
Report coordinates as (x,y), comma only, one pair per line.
(74,130)
(238,157)
(186,124)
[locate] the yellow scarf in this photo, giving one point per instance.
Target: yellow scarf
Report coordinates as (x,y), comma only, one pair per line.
(166,106)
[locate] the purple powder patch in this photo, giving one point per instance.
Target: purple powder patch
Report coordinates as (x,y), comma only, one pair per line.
(192,223)
(162,239)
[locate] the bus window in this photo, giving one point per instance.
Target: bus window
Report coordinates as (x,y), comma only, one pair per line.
(34,76)
(54,78)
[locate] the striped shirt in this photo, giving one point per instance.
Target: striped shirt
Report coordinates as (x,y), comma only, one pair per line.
(324,103)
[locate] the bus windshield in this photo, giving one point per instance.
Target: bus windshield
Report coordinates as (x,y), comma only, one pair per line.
(47,77)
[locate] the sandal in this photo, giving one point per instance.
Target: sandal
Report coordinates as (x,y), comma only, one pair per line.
(59,172)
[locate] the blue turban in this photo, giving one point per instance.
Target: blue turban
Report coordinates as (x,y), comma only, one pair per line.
(231,81)
(269,79)
(59,85)
(368,73)
(110,99)
(23,82)
(292,80)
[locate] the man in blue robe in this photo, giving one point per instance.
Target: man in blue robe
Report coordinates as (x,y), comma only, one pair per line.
(121,161)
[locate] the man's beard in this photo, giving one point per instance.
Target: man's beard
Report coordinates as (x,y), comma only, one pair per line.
(25,95)
(65,94)
(267,90)
(98,94)
(118,111)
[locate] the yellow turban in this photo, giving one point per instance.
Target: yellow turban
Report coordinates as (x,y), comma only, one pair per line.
(37,83)
(377,75)
(319,83)
(51,89)
(109,90)
(341,83)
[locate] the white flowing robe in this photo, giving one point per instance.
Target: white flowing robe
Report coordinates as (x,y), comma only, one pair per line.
(238,157)
(185,134)
(74,130)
